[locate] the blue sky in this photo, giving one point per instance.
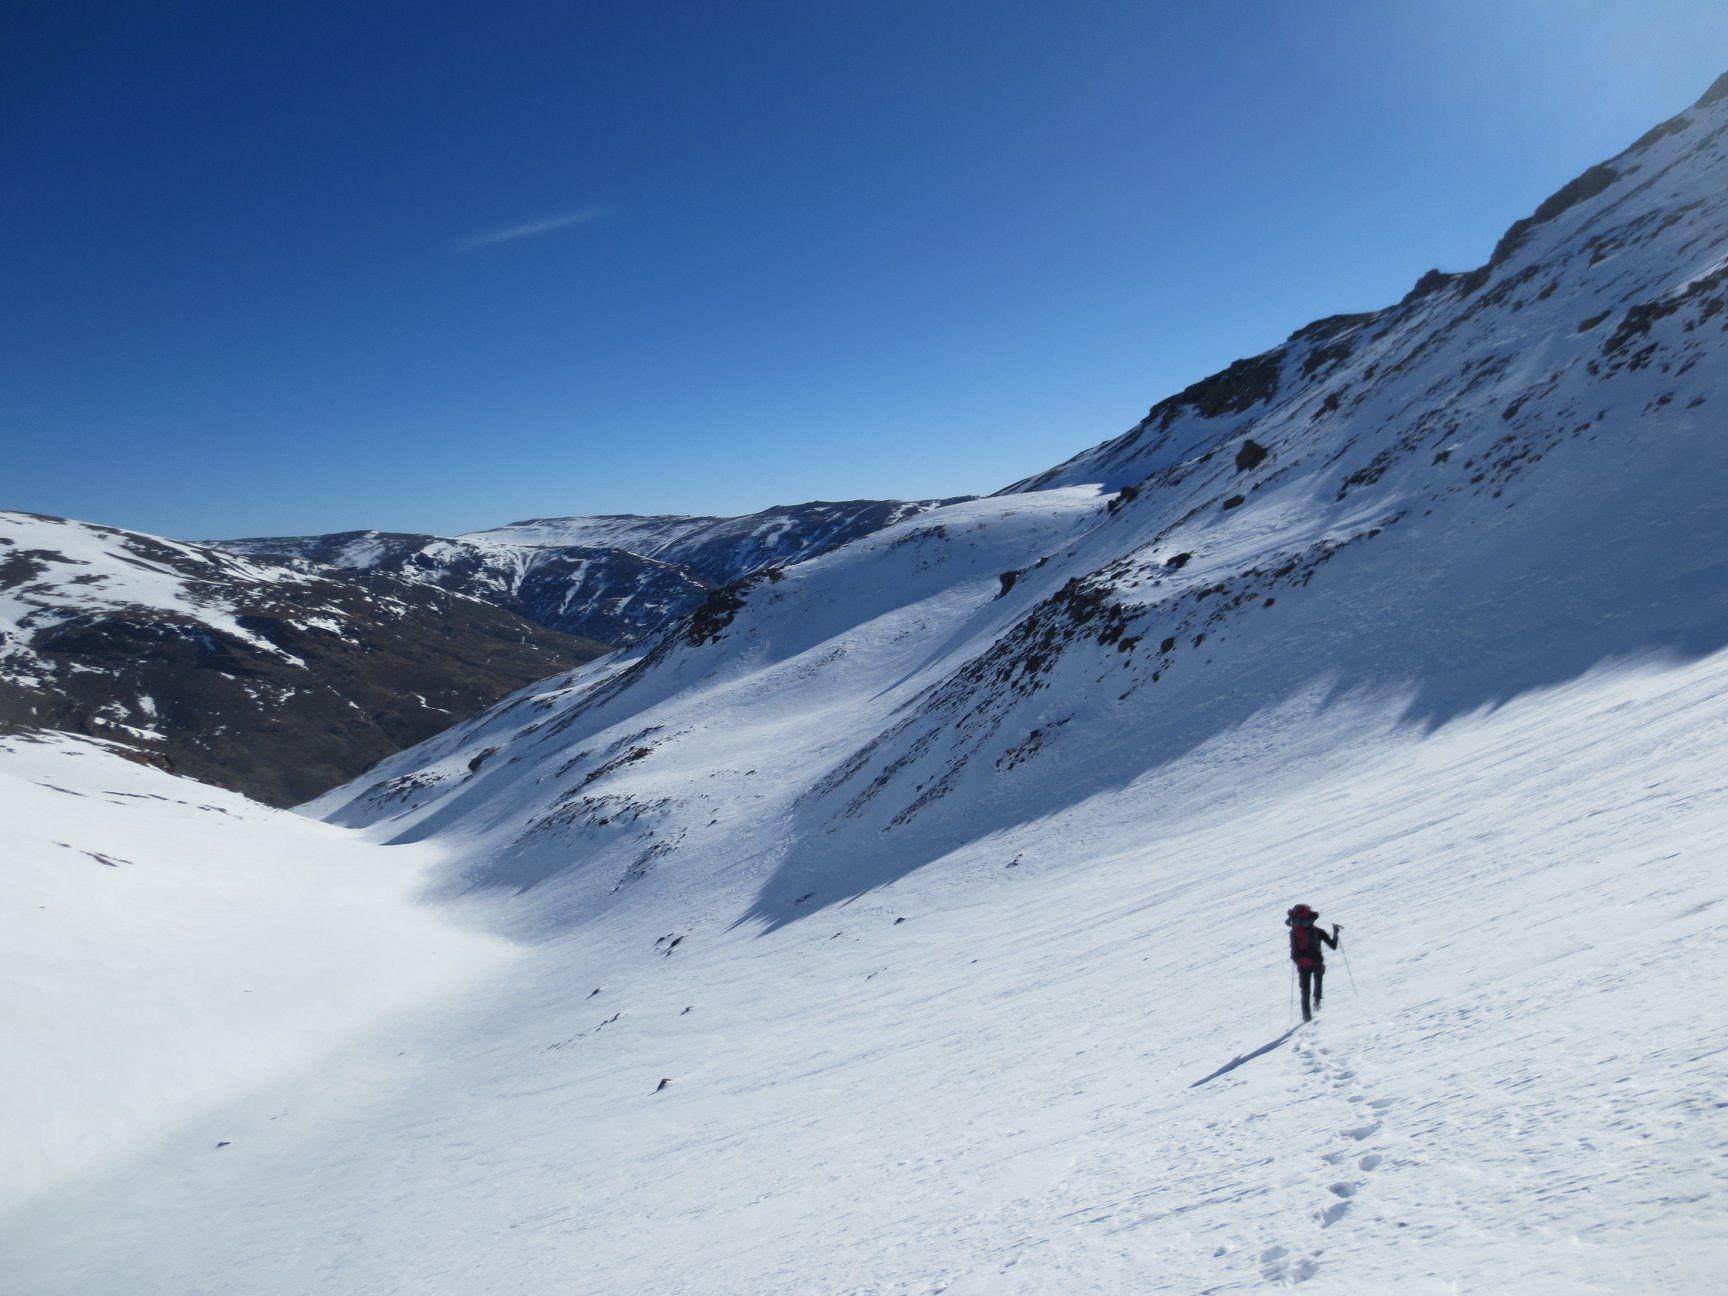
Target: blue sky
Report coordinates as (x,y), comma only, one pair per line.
(274,268)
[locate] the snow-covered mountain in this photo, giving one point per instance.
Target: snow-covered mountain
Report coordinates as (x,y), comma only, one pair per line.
(1497,485)
(908,919)
(276,682)
(610,579)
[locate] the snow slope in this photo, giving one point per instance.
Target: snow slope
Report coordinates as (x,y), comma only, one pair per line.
(1071,1069)
(1418,619)
(173,945)
(1004,657)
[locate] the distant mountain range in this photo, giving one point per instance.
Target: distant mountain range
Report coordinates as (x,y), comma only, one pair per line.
(610,579)
(254,676)
(280,667)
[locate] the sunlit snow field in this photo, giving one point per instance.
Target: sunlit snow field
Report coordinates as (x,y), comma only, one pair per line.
(1074,1072)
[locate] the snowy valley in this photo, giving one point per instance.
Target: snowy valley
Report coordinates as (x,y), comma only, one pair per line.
(907,917)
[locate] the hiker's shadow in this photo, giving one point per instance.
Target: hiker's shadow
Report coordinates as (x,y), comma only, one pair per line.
(1241,1058)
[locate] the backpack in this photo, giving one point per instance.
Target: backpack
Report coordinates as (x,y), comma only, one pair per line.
(1304,944)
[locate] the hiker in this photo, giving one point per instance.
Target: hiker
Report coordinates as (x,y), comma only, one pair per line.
(1307,954)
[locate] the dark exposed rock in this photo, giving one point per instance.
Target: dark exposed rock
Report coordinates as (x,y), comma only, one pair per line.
(1707,295)
(1330,326)
(1471,280)
(1717,92)
(1250,455)
(1578,189)
(1429,284)
(710,621)
(1673,126)
(1241,386)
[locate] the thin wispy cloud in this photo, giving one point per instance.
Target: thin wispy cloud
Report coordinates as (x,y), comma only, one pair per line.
(534,229)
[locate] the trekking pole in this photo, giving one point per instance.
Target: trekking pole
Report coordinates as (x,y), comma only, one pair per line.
(1347,971)
(1292,992)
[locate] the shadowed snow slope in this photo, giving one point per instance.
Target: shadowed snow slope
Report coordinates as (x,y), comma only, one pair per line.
(1418,619)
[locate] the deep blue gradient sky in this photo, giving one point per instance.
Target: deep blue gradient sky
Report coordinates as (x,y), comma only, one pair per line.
(287,267)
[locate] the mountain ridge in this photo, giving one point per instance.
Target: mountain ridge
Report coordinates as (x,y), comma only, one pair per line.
(1246,382)
(612,578)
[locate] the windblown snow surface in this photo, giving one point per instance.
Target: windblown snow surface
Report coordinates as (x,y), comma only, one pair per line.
(909,920)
